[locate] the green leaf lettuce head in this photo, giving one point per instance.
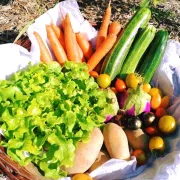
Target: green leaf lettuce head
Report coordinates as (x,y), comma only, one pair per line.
(46,109)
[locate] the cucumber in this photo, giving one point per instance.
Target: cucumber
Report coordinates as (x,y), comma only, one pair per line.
(153,56)
(115,58)
(138,48)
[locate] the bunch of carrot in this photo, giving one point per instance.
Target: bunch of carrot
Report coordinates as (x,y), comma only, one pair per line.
(67,45)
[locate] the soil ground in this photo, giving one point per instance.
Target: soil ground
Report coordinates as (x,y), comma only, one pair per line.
(15,14)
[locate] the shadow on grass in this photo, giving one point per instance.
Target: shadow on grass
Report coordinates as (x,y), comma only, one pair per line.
(8,36)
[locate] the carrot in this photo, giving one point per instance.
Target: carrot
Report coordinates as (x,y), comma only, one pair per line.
(70,41)
(81,54)
(94,74)
(114,28)
(103,31)
(84,45)
(59,34)
(56,45)
(101,51)
(44,53)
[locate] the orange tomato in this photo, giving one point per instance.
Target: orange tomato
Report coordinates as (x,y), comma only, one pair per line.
(81,176)
(146,87)
(160,112)
(155,101)
(140,156)
(165,102)
(94,74)
(154,91)
(120,85)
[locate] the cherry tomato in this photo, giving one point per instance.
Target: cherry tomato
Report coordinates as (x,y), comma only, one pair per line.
(146,87)
(154,91)
(104,80)
(165,102)
(167,124)
(156,143)
(94,74)
(114,90)
(151,130)
(81,176)
(160,112)
(140,156)
(155,101)
(132,80)
(120,85)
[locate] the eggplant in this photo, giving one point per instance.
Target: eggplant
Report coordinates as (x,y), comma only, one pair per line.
(135,102)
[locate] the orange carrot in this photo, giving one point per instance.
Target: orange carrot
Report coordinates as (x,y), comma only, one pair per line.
(81,54)
(44,53)
(94,74)
(84,45)
(101,51)
(56,45)
(70,41)
(114,28)
(59,34)
(103,31)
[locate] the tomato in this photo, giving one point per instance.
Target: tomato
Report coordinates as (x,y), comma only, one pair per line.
(132,80)
(167,124)
(160,112)
(155,101)
(154,91)
(104,80)
(114,90)
(81,176)
(165,102)
(120,85)
(156,143)
(140,156)
(151,130)
(146,87)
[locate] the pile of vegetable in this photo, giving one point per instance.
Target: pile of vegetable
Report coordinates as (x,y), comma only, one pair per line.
(58,114)
(46,110)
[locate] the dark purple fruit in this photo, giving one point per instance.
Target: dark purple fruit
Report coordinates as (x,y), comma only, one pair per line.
(133,123)
(147,118)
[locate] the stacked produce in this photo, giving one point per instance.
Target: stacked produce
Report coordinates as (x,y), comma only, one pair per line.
(69,116)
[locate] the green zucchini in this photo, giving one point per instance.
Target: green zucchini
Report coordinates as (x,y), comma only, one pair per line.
(115,58)
(153,56)
(138,48)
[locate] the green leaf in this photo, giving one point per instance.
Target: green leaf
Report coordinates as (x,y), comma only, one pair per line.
(46,109)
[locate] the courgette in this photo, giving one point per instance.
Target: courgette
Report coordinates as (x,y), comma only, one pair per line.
(138,48)
(115,58)
(153,56)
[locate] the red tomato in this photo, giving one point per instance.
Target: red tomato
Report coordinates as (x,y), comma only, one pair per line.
(140,156)
(120,85)
(151,130)
(114,90)
(160,112)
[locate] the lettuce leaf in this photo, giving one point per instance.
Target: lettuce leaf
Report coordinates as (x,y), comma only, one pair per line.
(46,109)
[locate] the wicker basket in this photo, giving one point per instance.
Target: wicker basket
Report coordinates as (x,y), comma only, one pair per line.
(8,168)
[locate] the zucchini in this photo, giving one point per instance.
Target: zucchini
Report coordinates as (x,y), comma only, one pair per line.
(154,55)
(115,58)
(138,48)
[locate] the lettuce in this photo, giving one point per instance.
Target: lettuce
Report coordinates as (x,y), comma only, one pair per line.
(46,109)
